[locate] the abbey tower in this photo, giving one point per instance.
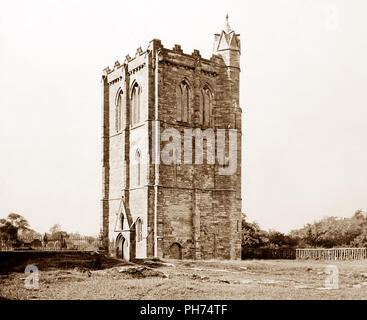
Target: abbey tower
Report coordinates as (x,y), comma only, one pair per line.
(180,208)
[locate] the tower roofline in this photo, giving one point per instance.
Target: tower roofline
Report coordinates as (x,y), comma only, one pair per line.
(156,45)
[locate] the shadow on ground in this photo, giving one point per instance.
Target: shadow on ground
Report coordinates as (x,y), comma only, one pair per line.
(17,261)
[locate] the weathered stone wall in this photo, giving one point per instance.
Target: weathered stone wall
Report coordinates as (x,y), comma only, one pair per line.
(119,151)
(199,208)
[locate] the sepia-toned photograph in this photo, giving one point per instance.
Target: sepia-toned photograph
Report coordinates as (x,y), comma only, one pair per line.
(183,151)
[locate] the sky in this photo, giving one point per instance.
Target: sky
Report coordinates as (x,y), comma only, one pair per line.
(303,96)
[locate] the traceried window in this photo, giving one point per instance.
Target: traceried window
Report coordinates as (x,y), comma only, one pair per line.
(206,106)
(135,104)
(118,112)
(183,102)
(139,230)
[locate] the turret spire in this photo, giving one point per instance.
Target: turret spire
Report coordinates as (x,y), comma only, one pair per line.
(227,27)
(227,39)
(228,45)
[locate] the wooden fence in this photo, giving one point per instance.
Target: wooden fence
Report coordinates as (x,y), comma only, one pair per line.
(332,254)
(311,254)
(268,253)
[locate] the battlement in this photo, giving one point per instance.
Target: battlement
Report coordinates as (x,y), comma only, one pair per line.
(156,46)
(194,55)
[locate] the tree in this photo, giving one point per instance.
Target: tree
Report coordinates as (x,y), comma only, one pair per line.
(327,233)
(333,231)
(358,215)
(18,221)
(361,240)
(252,235)
(7,230)
(10,226)
(30,233)
(57,233)
(280,240)
(55,229)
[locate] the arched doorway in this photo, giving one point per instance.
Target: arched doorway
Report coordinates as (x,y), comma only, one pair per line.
(121,247)
(175,251)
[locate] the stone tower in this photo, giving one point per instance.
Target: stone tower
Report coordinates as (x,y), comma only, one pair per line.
(171,153)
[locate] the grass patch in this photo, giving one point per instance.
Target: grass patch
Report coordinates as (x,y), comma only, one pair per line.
(77,278)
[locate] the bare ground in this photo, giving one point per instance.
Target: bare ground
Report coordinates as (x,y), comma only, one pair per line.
(174,279)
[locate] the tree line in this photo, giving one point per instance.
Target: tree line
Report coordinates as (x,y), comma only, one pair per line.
(326,233)
(16,227)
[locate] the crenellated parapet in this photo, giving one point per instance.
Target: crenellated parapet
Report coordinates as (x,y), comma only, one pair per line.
(172,57)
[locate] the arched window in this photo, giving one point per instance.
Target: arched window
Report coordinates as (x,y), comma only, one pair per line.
(178,103)
(118,112)
(183,102)
(139,230)
(206,106)
(138,167)
(135,104)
